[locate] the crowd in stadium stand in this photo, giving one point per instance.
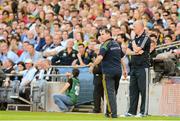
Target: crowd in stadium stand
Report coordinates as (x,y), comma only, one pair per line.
(35,34)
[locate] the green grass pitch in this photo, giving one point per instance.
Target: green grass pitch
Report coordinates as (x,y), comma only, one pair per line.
(54,116)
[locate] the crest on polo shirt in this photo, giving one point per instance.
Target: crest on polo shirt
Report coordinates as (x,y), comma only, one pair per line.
(139,42)
(73,55)
(64,54)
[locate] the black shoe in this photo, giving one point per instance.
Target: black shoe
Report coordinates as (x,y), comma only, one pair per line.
(107,115)
(96,111)
(114,115)
(110,116)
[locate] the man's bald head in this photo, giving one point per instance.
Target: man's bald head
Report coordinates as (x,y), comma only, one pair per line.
(139,23)
(138,27)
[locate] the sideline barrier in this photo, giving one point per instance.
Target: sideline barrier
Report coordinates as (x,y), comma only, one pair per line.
(86,82)
(164,98)
(42,92)
(170,100)
(41,95)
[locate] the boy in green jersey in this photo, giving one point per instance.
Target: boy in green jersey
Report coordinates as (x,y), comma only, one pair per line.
(69,93)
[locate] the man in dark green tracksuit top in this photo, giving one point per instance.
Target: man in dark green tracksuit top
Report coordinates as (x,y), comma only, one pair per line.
(110,56)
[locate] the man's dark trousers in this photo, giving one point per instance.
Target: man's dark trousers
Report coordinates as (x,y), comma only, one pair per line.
(112,84)
(139,84)
(98,92)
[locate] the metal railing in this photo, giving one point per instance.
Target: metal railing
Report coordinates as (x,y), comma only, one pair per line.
(165,46)
(39,92)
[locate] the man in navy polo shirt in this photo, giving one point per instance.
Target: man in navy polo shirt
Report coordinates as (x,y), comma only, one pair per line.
(139,49)
(110,56)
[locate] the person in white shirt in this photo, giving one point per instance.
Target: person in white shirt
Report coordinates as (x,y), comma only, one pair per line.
(27,76)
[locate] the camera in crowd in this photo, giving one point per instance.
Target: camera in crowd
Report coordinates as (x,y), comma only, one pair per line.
(165,65)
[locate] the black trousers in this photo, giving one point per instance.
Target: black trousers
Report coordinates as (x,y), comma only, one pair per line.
(139,84)
(98,92)
(112,84)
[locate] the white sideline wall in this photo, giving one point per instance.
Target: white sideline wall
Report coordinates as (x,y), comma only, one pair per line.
(123,98)
(53,88)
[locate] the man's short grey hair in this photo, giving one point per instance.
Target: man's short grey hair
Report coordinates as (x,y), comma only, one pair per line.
(71,40)
(139,23)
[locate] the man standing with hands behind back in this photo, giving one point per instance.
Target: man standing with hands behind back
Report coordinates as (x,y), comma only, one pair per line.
(110,56)
(139,49)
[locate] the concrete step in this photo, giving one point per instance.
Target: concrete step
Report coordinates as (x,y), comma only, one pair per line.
(83,108)
(19,107)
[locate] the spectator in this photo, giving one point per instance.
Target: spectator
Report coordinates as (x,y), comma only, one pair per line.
(158,19)
(168,40)
(55,6)
(20,69)
(5,16)
(41,37)
(27,78)
(79,37)
(177,32)
(6,53)
(56,28)
(67,16)
(39,75)
(30,38)
(24,51)
(65,57)
(65,38)
(15,45)
(49,70)
(8,68)
(69,28)
(56,47)
(49,43)
(153,46)
(31,53)
(33,8)
(84,58)
(2,76)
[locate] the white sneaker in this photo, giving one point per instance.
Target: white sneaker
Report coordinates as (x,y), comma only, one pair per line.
(127,115)
(139,115)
